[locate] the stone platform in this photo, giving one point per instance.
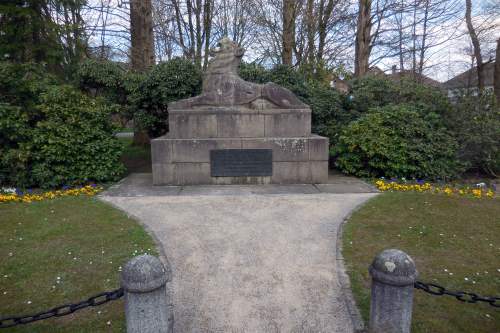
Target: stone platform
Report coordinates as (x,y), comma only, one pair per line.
(300,160)
(233,122)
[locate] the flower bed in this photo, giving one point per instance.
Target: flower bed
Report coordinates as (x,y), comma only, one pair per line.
(480,191)
(12,195)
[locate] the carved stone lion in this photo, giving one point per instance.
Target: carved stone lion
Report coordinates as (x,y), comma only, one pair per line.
(223,87)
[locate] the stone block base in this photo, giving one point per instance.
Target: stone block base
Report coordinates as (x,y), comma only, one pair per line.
(300,160)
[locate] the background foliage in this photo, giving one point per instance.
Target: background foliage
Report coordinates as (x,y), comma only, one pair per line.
(397,141)
(45,32)
(164,83)
(476,124)
(111,81)
(51,134)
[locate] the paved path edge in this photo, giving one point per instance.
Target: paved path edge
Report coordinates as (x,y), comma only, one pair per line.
(159,248)
(345,283)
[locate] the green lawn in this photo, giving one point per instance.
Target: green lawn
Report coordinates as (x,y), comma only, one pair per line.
(455,242)
(64,250)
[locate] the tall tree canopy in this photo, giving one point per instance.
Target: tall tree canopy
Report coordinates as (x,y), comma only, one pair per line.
(42,31)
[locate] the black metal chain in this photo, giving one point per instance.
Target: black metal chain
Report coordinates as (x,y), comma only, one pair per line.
(462,296)
(62,310)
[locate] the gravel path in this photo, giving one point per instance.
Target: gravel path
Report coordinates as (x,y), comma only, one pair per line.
(250,262)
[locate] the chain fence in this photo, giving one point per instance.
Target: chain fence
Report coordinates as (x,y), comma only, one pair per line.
(463,296)
(108,296)
(62,310)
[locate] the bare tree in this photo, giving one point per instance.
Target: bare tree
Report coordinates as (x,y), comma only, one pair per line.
(496,83)
(141,32)
(477,46)
(193,22)
(363,38)
(233,18)
(288,35)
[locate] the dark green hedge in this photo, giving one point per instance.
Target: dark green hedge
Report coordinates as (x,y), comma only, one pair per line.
(51,134)
(166,82)
(397,141)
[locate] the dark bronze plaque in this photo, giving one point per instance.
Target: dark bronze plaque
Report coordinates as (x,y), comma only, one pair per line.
(241,162)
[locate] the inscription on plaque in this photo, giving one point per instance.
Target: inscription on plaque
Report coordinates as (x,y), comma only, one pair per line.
(241,162)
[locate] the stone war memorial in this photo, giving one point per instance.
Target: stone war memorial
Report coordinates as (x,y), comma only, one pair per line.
(238,132)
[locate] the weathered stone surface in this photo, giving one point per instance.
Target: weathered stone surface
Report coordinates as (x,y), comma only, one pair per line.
(288,124)
(319,172)
(223,87)
(240,180)
(193,125)
(163,174)
(192,173)
(192,150)
(147,306)
(185,152)
(284,149)
(393,276)
(239,122)
(161,151)
(291,172)
(199,150)
(318,148)
(240,125)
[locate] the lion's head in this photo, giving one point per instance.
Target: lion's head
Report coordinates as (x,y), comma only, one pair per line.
(226,58)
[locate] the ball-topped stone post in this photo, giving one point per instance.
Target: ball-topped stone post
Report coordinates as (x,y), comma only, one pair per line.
(393,275)
(147,307)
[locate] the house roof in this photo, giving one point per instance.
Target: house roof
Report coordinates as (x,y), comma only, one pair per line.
(469,78)
(375,70)
(406,74)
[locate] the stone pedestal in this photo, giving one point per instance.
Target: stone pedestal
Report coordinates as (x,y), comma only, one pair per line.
(182,157)
(238,132)
(187,161)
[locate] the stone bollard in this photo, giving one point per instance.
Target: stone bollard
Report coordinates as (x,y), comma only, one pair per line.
(147,308)
(393,274)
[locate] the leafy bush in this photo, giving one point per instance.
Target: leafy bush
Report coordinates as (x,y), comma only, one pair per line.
(372,91)
(74,143)
(397,141)
(476,124)
(101,75)
(254,73)
(166,82)
(53,135)
(111,81)
(328,113)
(375,91)
(22,84)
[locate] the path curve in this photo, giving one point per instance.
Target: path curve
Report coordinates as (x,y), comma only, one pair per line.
(251,263)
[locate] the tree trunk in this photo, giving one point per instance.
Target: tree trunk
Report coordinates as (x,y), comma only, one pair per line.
(207,23)
(199,37)
(400,41)
(414,41)
(324,17)
(476,45)
(424,39)
(311,30)
(363,39)
(142,50)
(141,31)
(496,87)
(288,35)
(179,26)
